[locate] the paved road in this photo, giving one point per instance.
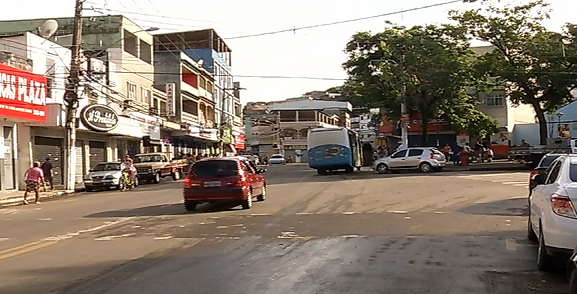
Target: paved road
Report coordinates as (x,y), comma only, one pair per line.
(359,233)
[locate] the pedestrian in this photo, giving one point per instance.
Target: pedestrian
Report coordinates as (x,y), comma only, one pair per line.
(48,172)
(34,176)
(447,151)
(465,153)
(456,150)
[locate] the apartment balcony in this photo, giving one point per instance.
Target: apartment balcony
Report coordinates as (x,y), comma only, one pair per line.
(184,87)
(188,117)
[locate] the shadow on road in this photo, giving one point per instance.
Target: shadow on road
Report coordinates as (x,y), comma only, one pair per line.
(167,209)
(507,207)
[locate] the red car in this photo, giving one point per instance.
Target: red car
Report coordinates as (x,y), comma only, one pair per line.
(224,179)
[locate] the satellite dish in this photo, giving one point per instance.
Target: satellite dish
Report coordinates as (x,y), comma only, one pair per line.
(48,28)
(200,62)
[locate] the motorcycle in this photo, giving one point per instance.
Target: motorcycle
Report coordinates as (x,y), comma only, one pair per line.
(126,181)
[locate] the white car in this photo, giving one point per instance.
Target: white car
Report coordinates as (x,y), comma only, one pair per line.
(552,216)
(277,159)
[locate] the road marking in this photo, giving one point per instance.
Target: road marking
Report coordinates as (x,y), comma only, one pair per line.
(44,219)
(108,238)
(163,238)
(511,245)
(349,212)
(304,213)
(4,239)
(513,183)
(103,226)
(24,248)
(398,211)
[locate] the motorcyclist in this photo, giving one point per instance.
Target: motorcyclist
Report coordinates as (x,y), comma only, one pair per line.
(127,166)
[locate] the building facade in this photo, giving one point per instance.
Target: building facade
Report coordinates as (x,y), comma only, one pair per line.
(210,52)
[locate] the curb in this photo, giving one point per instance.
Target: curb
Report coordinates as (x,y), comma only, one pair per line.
(17,200)
(487,168)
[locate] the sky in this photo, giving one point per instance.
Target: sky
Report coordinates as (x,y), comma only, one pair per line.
(315,53)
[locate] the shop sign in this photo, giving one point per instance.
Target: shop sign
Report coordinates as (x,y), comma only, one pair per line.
(99,118)
(22,94)
(170,99)
(239,142)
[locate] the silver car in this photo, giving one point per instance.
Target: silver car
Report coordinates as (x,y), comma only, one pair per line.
(105,175)
(425,159)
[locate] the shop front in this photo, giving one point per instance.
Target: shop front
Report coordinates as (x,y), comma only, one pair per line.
(22,101)
(195,139)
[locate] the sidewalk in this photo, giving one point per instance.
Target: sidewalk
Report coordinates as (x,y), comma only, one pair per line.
(495,165)
(15,197)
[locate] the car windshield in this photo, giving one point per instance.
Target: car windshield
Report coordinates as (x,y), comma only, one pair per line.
(106,167)
(215,168)
(147,158)
(276,156)
(573,172)
(547,160)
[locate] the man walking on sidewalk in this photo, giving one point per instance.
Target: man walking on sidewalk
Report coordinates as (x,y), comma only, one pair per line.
(47,170)
(34,176)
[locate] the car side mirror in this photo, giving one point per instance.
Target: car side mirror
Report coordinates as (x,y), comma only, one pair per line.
(539,179)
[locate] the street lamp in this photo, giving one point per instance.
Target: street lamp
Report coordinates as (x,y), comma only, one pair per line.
(559,115)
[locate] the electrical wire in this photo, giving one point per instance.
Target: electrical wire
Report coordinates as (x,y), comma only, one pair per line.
(293,30)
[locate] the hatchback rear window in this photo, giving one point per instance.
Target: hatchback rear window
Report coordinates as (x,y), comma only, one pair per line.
(573,172)
(215,168)
(547,160)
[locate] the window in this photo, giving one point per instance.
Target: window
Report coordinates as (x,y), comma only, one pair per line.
(130,43)
(190,107)
(145,52)
(145,95)
(131,90)
(248,168)
(202,82)
(573,172)
(399,154)
(215,168)
(493,100)
(553,172)
(209,86)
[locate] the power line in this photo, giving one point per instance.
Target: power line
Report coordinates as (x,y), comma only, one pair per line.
(345,21)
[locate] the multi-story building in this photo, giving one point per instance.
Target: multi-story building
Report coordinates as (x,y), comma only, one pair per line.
(192,102)
(212,53)
(362,123)
(291,119)
(497,105)
(116,79)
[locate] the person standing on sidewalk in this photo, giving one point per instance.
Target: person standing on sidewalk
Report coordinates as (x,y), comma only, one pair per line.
(34,176)
(47,170)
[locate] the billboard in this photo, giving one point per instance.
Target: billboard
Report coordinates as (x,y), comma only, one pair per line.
(22,94)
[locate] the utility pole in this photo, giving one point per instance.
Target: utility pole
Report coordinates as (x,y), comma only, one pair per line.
(71,99)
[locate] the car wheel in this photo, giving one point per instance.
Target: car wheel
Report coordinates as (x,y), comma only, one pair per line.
(530,233)
(349,170)
(545,262)
(121,185)
(136,182)
(573,281)
(262,195)
(176,175)
(425,167)
(88,189)
(156,179)
(247,203)
(190,205)
(321,171)
(382,168)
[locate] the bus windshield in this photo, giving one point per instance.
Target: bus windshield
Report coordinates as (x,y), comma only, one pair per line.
(328,136)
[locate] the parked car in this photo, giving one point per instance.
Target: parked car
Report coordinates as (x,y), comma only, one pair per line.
(224,179)
(105,175)
(425,159)
(552,220)
(277,159)
(153,167)
(544,163)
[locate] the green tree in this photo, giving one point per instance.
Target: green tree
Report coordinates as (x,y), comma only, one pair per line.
(528,60)
(432,65)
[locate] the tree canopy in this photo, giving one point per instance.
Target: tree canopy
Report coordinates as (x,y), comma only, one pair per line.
(431,65)
(534,64)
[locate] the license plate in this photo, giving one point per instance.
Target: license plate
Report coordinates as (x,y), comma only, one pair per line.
(212,184)
(97,180)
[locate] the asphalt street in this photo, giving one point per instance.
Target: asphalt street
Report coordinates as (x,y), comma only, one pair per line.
(449,232)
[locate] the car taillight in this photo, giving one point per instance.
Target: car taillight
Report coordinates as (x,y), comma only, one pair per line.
(562,206)
(432,155)
(240,181)
(188,184)
(533,173)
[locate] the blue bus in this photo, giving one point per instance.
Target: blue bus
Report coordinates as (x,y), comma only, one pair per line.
(333,149)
